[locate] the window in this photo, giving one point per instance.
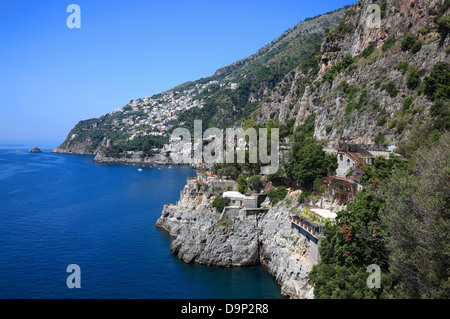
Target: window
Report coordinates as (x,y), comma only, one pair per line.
(341,157)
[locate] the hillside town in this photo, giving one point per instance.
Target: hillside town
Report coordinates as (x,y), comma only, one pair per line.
(154,115)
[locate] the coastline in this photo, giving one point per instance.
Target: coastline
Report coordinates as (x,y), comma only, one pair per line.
(205,237)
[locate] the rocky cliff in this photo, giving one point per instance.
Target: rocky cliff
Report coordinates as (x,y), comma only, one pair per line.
(370,75)
(206,237)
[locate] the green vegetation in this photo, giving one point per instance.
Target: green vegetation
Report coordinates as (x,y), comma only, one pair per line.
(402,66)
(437,85)
(144,144)
(390,88)
(334,70)
(416,47)
(383,9)
(443,25)
(233,170)
(380,139)
(407,102)
(220,202)
(387,226)
(388,44)
(242,184)
(277,194)
(417,242)
(255,182)
(407,42)
(307,160)
(368,51)
(412,77)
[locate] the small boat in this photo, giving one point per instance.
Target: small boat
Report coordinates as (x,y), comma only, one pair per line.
(170,166)
(140,169)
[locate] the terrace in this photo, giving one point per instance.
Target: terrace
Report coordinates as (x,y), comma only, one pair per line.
(311,220)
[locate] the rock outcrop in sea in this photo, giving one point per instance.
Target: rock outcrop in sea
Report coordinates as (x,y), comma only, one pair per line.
(35,150)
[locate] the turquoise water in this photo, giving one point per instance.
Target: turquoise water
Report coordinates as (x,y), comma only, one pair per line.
(57,210)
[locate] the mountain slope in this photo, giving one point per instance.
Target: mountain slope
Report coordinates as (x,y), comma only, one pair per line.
(365,83)
(372,83)
(227,97)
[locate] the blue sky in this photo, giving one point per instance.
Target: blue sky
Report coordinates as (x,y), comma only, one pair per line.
(52,76)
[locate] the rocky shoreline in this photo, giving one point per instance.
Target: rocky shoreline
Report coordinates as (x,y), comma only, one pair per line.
(205,237)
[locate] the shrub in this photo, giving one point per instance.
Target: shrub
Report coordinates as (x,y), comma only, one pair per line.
(437,85)
(379,139)
(389,43)
(363,99)
(255,183)
(407,42)
(383,9)
(381,121)
(277,194)
(242,184)
(402,66)
(349,107)
(443,25)
(412,77)
(350,90)
(390,88)
(423,30)
(304,195)
(368,51)
(220,202)
(331,73)
(347,61)
(407,102)
(416,47)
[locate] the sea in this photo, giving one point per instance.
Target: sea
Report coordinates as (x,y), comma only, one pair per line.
(58,210)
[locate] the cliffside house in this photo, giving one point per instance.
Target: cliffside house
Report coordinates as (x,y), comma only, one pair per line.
(311,220)
(244,205)
(352,156)
(236,198)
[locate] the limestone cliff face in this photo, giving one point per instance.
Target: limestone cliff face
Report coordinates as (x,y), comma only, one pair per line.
(398,18)
(285,254)
(357,103)
(206,237)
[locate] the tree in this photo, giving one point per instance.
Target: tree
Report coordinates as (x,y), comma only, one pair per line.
(407,42)
(308,161)
(242,184)
(417,217)
(255,183)
(220,202)
(356,241)
(437,85)
(350,245)
(412,77)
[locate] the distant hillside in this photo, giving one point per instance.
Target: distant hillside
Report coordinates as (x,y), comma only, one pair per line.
(228,97)
(364,83)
